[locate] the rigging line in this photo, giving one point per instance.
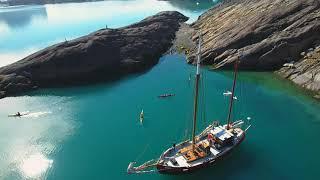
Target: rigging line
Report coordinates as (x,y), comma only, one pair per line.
(188,114)
(185,127)
(241,100)
(199,114)
(189,119)
(239,107)
(204,94)
(140,155)
(152,152)
(243,97)
(232,94)
(191,105)
(187,124)
(202,99)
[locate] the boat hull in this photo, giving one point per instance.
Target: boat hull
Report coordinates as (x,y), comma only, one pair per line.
(182,170)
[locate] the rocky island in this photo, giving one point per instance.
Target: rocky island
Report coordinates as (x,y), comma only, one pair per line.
(105,54)
(266,34)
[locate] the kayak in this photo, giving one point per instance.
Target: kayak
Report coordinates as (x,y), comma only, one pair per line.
(141,116)
(18,115)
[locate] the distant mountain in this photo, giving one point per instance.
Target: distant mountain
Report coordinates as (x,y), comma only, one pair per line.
(28,2)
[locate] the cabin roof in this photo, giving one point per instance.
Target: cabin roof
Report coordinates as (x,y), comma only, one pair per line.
(221,133)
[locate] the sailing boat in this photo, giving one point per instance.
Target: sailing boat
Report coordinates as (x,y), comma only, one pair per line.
(205,149)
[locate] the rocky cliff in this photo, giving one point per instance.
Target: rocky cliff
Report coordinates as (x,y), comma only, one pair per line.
(265,33)
(102,55)
(305,72)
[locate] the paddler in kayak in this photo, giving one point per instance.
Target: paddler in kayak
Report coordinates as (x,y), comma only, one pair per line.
(18,114)
(141,116)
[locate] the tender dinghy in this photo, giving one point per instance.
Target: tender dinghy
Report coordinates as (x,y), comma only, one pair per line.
(166,95)
(229,93)
(141,116)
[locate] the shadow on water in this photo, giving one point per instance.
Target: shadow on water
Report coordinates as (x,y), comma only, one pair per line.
(93,86)
(83,89)
(17,17)
(193,5)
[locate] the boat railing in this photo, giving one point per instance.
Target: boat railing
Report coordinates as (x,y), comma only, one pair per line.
(240,122)
(204,132)
(247,128)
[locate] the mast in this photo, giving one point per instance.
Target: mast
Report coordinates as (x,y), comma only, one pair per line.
(232,93)
(195,109)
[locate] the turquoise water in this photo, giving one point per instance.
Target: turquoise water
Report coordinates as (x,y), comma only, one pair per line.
(26,29)
(93,132)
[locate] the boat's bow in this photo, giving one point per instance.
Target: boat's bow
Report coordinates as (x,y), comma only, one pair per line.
(147,167)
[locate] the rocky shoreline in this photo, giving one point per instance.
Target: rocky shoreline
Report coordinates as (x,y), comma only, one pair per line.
(265,34)
(103,55)
(305,72)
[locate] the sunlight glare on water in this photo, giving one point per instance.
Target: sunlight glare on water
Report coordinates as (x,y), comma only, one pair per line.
(35,165)
(93,132)
(27,142)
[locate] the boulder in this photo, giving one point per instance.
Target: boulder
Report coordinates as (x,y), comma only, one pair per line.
(306,72)
(102,55)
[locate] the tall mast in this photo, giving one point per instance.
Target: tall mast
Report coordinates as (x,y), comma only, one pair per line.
(196,93)
(232,93)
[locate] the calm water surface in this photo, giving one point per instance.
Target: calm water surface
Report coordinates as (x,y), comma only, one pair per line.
(26,29)
(93,132)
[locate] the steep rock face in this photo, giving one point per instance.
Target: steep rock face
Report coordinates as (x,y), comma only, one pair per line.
(104,54)
(265,33)
(306,72)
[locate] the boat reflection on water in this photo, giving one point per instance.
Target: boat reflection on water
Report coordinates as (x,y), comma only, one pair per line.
(18,17)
